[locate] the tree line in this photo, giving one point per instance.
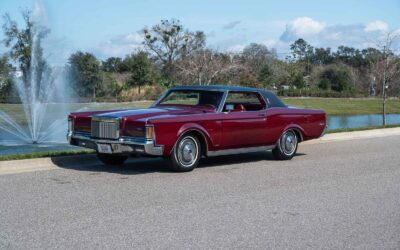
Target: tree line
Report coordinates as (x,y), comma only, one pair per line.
(174,55)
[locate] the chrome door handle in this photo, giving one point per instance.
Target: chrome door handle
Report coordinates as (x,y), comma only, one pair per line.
(262,114)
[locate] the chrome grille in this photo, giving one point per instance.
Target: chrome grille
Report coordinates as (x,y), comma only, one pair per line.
(108,129)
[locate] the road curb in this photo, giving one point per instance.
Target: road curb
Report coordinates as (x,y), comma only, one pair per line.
(53,163)
(48,163)
(364,134)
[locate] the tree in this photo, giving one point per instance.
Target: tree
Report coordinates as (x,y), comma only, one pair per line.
(84,72)
(112,64)
(350,56)
(388,67)
(324,84)
(256,56)
(25,46)
(265,75)
(322,56)
(204,66)
(6,70)
(170,41)
(245,78)
(141,70)
(109,86)
(371,55)
(302,52)
(301,49)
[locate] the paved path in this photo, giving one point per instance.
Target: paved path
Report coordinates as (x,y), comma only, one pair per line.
(341,194)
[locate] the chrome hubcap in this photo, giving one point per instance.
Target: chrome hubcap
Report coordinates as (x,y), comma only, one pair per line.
(187,151)
(288,142)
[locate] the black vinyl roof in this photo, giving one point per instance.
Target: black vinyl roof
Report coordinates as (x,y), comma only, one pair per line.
(214,87)
(273,100)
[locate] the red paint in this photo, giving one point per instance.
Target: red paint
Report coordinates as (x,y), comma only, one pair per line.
(220,130)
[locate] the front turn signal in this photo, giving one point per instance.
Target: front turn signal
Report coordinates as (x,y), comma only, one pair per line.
(70,124)
(149,132)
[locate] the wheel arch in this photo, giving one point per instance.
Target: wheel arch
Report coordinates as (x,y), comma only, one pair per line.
(201,134)
(297,129)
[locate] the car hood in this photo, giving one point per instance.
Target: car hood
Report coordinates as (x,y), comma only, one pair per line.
(144,114)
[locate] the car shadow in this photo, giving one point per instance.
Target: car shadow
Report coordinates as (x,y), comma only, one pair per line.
(145,165)
(132,166)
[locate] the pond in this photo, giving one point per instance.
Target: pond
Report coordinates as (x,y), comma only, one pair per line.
(359,121)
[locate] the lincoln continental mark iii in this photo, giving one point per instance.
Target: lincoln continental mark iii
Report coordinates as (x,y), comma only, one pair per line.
(190,122)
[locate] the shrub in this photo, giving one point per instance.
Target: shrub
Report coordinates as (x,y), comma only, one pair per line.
(337,77)
(319,93)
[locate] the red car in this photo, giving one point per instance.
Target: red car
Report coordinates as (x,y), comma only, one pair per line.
(188,122)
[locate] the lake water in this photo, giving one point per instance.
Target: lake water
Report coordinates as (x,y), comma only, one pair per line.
(358,121)
(334,122)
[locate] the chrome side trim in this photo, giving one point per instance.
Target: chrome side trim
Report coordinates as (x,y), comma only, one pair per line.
(240,150)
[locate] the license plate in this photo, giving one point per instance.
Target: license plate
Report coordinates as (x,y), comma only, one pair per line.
(104,148)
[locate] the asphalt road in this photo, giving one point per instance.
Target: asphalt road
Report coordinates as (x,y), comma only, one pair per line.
(331,195)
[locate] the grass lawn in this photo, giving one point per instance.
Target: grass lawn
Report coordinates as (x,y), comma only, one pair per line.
(346,106)
(45,154)
(16,111)
(333,106)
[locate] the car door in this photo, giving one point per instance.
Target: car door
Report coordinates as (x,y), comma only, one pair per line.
(245,124)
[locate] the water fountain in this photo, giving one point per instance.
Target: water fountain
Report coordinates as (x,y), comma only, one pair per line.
(43,93)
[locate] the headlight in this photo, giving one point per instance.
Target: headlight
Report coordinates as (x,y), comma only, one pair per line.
(149,132)
(70,124)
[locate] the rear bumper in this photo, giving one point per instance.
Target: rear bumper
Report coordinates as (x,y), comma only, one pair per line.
(124,145)
(324,132)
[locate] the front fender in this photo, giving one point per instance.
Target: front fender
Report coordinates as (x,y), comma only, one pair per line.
(187,127)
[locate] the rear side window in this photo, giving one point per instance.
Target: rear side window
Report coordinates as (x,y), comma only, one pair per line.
(250,101)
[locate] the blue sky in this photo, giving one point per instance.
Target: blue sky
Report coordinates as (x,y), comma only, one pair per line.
(110,28)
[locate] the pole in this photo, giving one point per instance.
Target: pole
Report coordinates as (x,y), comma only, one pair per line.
(384,87)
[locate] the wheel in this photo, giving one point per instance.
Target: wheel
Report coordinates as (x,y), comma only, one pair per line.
(112,160)
(186,154)
(287,146)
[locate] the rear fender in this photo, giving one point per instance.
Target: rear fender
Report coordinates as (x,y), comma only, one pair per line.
(300,131)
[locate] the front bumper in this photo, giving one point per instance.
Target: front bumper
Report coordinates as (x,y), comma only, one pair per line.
(124,145)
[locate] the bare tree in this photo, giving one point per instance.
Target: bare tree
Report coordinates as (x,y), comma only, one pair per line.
(204,66)
(387,68)
(169,41)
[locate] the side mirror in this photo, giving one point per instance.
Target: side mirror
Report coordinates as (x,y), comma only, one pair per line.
(229,107)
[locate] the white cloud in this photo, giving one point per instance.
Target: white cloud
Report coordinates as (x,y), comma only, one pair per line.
(319,34)
(302,27)
(376,26)
(120,46)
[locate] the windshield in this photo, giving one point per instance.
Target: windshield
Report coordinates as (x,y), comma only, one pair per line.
(199,98)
